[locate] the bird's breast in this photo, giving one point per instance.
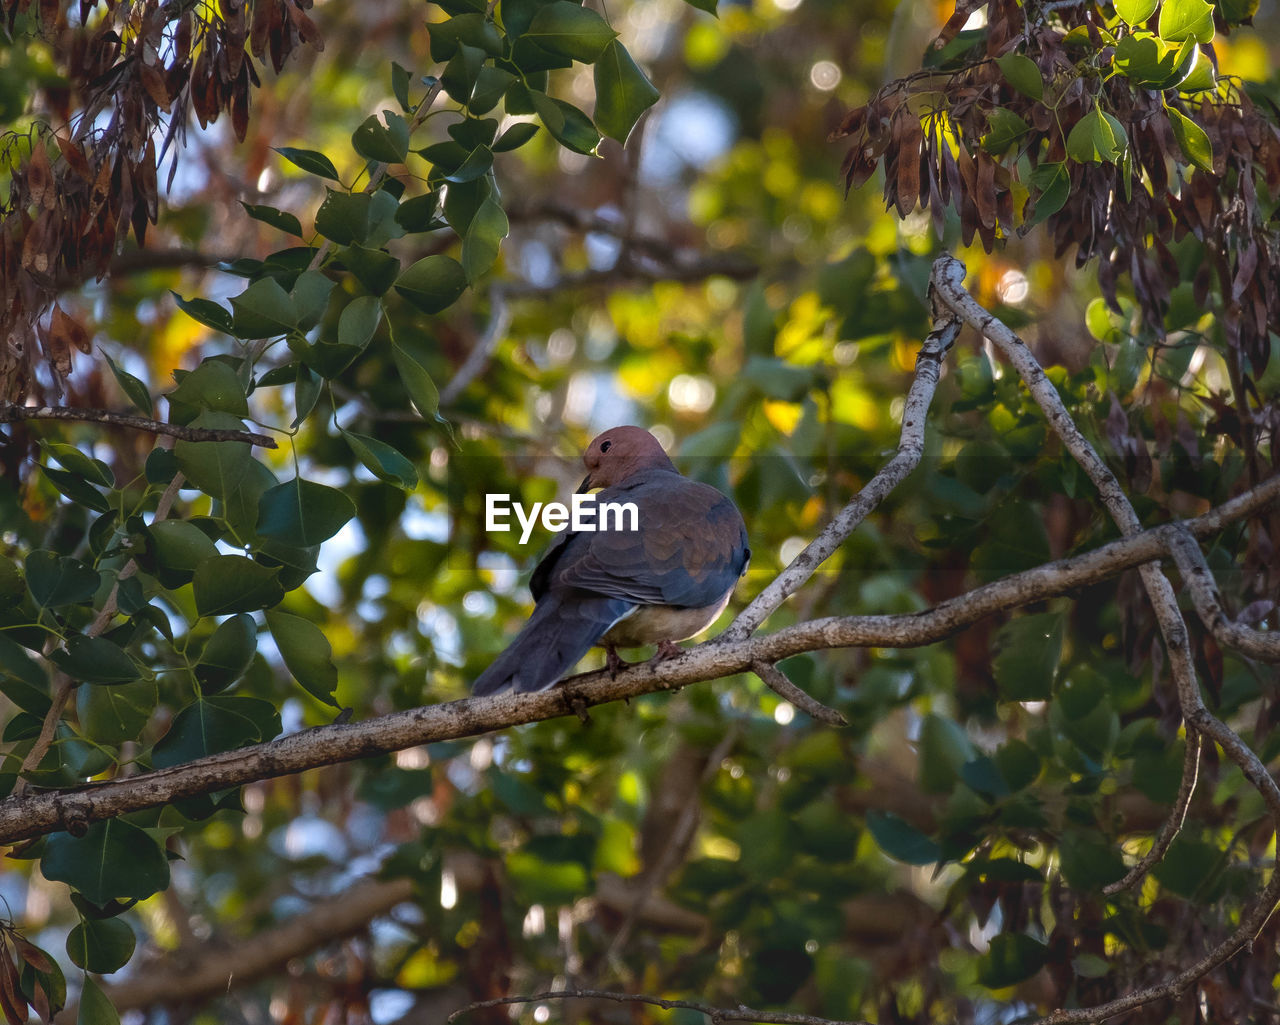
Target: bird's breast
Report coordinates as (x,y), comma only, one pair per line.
(652,624)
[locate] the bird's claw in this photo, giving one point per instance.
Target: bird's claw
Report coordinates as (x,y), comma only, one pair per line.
(666,650)
(613,661)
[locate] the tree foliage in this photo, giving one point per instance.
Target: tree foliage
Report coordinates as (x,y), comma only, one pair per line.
(422,267)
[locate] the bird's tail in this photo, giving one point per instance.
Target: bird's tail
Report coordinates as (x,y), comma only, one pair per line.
(560,631)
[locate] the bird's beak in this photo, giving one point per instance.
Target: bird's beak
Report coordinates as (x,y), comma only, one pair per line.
(586,485)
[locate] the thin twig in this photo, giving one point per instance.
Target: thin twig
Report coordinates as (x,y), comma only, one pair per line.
(10,413)
(949,280)
(716,1014)
(37,814)
(379,174)
(904,461)
(1173,824)
(478,358)
(1204,596)
(676,842)
(66,685)
(776,680)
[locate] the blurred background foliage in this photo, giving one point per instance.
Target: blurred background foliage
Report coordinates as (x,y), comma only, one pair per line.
(941,859)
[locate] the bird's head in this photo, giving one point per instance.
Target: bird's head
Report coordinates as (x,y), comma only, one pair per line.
(619,453)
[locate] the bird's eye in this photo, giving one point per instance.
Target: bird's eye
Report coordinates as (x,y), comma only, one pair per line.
(604,446)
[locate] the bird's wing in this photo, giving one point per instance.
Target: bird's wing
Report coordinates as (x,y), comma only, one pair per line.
(689,546)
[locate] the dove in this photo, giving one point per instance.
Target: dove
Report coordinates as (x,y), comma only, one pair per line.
(660,579)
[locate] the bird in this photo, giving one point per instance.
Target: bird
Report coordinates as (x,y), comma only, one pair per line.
(662,579)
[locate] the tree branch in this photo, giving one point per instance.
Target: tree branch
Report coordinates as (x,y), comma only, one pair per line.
(1204,596)
(10,413)
(776,680)
(904,461)
(948,278)
(478,358)
(716,1014)
(38,813)
(676,844)
(1173,824)
(66,685)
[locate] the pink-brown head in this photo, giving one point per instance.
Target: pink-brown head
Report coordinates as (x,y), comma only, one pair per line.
(619,453)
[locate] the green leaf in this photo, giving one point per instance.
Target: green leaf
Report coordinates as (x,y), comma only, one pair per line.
(102,945)
(1029,649)
(400,85)
(567,124)
(263,310)
(227,653)
(114,859)
(226,584)
(383,461)
(95,1008)
(944,749)
(345,217)
(1011,958)
(1135,12)
(55,580)
(1089,860)
(385,138)
(306,393)
(1097,137)
(134,389)
(302,513)
(215,724)
(491,83)
(418,213)
(461,73)
(215,467)
(1192,869)
(515,136)
(309,160)
(471,29)
(546,882)
(901,841)
(376,269)
(95,660)
(359,321)
(281,219)
(484,238)
(1004,129)
(208,313)
(1186,19)
(623,92)
(306,653)
(1148,61)
(1023,74)
(95,471)
(1018,763)
(310,297)
(462,200)
(1192,139)
(113,715)
(433,284)
(77,489)
(213,386)
(1054,184)
(413,375)
(12,584)
(567,30)
(22,680)
(704,5)
(477,163)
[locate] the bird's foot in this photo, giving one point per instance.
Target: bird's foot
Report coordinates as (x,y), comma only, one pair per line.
(614,661)
(666,650)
